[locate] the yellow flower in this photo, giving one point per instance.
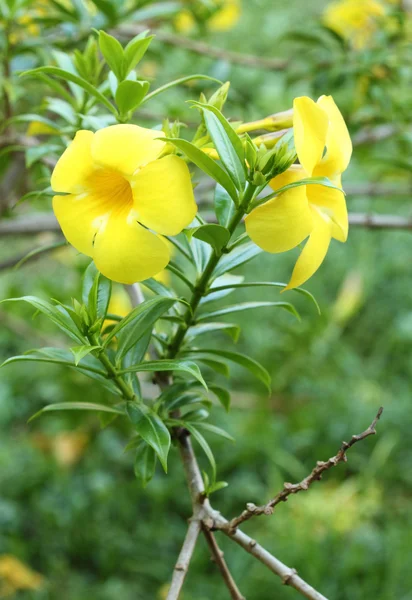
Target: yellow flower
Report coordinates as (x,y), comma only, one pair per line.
(309,210)
(15,575)
(121,196)
(354,20)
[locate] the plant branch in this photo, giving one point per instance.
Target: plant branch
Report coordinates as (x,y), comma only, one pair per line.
(183,561)
(315,475)
(218,558)
(171,39)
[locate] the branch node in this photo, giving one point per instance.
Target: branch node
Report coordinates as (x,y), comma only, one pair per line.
(287,578)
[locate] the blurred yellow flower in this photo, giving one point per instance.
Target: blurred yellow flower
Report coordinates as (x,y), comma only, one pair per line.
(67,447)
(225,16)
(120,196)
(354,20)
(308,210)
(15,576)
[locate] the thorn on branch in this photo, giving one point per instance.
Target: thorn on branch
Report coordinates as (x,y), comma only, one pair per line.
(315,475)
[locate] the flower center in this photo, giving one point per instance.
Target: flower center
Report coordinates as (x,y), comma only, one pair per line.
(111,190)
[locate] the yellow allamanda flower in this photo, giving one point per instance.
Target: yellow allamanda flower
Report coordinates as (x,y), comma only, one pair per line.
(122,198)
(313,211)
(354,20)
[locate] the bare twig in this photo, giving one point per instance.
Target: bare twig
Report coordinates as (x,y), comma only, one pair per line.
(217,557)
(369,221)
(184,559)
(246,60)
(30,225)
(293,488)
(213,520)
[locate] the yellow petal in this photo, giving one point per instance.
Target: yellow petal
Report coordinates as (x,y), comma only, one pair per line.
(75,165)
(125,148)
(313,253)
(80,217)
(126,252)
(338,142)
(332,203)
(294,173)
(163,195)
(310,126)
(226,17)
(281,223)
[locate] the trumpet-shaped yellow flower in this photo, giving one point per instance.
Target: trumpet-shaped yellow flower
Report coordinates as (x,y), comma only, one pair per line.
(354,20)
(324,149)
(121,196)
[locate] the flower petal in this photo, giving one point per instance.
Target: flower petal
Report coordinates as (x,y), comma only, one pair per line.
(79,217)
(294,173)
(125,148)
(310,126)
(333,204)
(163,195)
(313,253)
(74,165)
(338,142)
(126,252)
(282,223)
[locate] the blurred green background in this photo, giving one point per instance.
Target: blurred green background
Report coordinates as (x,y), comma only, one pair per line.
(70,507)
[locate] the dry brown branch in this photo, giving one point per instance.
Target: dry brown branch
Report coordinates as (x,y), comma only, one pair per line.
(294,488)
(214,521)
(218,558)
(171,39)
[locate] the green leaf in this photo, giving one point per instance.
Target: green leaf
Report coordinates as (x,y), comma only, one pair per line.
(222,395)
(129,95)
(175,82)
(77,406)
(227,310)
(216,430)
(227,143)
(145,463)
(203,444)
(107,7)
(135,50)
(38,251)
(241,359)
(216,365)
(141,319)
(96,292)
(152,429)
(215,235)
(239,256)
(58,356)
(57,314)
(176,365)
(80,352)
(309,181)
(113,54)
(206,164)
(231,328)
(230,287)
(221,287)
(224,205)
(215,487)
(67,76)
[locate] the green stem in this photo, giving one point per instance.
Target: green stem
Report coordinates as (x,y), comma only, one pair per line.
(112,372)
(201,287)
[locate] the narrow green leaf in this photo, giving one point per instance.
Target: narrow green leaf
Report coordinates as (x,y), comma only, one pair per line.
(222,395)
(216,430)
(176,82)
(152,429)
(176,365)
(203,444)
(142,318)
(135,50)
(113,54)
(80,352)
(238,256)
(67,76)
(206,164)
(308,181)
(241,359)
(227,143)
(227,310)
(216,365)
(230,328)
(224,205)
(76,406)
(57,314)
(57,356)
(145,463)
